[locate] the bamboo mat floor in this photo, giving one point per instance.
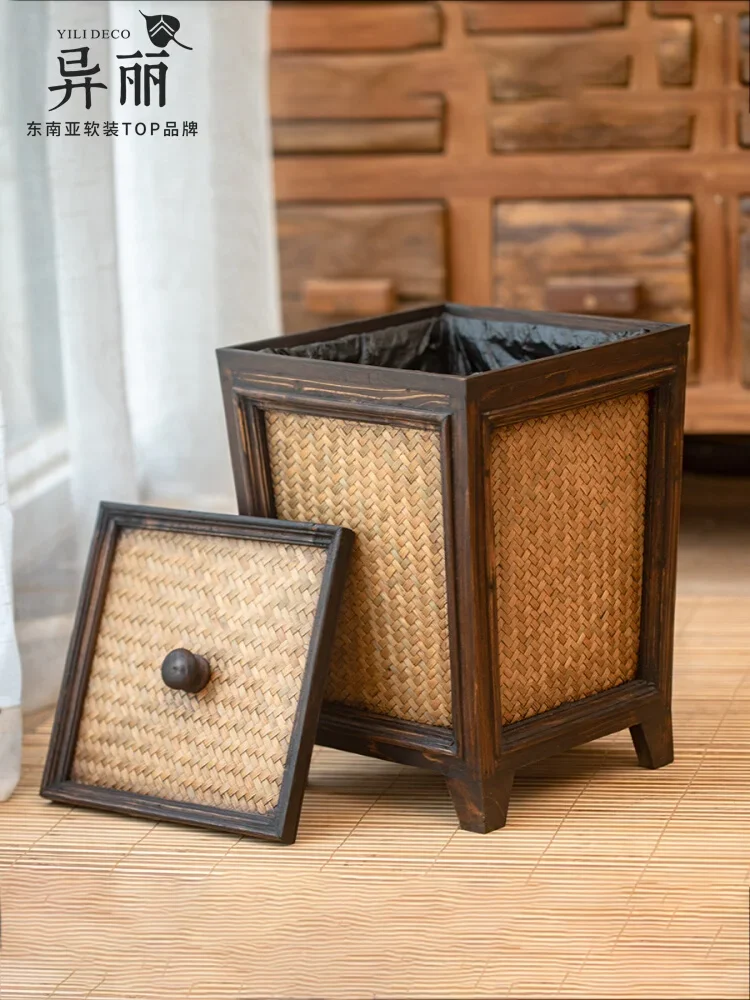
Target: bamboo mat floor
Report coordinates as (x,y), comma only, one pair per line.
(609,881)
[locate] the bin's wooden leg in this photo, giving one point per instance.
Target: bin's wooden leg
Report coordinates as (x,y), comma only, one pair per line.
(481,804)
(652,740)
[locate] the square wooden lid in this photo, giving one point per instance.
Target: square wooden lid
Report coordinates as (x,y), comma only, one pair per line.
(196,668)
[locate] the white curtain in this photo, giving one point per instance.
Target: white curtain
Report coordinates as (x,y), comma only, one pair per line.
(10,664)
(159,249)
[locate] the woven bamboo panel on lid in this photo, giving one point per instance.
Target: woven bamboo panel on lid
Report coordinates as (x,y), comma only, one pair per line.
(568,502)
(384,481)
(220,596)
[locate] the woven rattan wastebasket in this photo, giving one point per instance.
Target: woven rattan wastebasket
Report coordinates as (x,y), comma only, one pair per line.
(513,481)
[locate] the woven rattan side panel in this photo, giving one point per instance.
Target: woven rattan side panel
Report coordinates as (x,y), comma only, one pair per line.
(384,481)
(568,502)
(247,606)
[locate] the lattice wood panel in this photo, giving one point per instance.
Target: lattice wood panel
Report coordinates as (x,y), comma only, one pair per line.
(462,103)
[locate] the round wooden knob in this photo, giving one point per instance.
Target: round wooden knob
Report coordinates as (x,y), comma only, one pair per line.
(185,671)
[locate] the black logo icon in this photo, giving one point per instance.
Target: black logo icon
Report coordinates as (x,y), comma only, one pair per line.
(162,29)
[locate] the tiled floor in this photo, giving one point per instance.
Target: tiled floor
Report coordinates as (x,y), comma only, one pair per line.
(608,882)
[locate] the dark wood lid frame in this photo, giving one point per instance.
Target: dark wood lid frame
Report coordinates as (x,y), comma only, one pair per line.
(277,822)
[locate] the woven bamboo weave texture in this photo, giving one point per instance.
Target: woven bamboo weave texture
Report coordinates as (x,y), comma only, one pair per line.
(610,881)
(568,499)
(391,654)
(248,606)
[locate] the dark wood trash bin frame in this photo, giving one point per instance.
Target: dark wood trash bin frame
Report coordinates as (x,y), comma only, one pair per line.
(478,755)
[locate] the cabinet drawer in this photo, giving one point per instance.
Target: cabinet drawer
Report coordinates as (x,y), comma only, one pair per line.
(354,27)
(542,15)
(744,286)
(588,124)
(341,262)
(330,104)
(343,78)
(744,53)
(622,257)
(532,67)
(561,76)
(559,65)
(743,116)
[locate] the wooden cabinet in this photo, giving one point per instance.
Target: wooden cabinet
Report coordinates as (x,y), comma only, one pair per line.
(588,156)
(340,262)
(619,256)
(744,286)
(340,78)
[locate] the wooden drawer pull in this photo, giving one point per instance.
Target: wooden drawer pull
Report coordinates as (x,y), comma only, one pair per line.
(185,671)
(608,296)
(349,296)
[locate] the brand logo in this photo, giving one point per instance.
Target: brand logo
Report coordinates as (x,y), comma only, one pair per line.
(142,80)
(84,33)
(162,29)
(139,82)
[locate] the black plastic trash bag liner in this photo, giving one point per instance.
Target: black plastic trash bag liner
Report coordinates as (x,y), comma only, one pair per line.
(453,345)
